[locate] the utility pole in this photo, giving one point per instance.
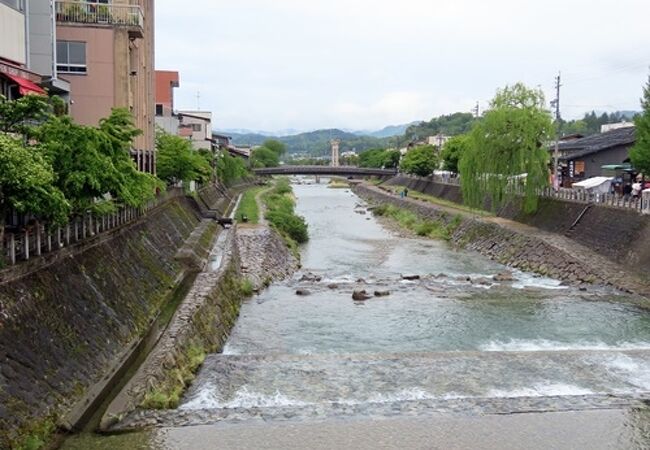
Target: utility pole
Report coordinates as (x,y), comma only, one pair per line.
(198,100)
(476,111)
(556,156)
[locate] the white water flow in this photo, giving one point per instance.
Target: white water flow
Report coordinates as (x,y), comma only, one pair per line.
(441,343)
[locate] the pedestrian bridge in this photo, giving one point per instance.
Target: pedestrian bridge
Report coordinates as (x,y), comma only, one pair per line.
(345,171)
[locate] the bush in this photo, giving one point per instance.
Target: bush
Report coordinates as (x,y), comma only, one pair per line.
(280,212)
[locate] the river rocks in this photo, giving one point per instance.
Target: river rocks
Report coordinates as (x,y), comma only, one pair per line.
(332,286)
(303,292)
(361,281)
(382,293)
(482,281)
(504,276)
(311,277)
(410,277)
(360,295)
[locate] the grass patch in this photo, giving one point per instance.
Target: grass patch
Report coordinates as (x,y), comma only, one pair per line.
(170,396)
(338,183)
(280,212)
(437,201)
(246,287)
(248,206)
(434,229)
(36,436)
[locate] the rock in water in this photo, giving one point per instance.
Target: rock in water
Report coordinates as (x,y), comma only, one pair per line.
(360,295)
(410,277)
(303,292)
(333,286)
(382,293)
(504,276)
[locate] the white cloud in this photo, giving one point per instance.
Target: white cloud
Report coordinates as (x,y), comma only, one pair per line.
(369,63)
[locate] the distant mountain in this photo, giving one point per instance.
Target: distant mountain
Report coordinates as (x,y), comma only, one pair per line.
(314,143)
(386,132)
(278,133)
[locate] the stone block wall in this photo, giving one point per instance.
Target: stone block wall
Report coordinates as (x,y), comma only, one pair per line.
(62,326)
(622,235)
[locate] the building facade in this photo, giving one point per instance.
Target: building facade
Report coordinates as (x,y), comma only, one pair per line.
(166,117)
(16,76)
(106,51)
(197,127)
(585,157)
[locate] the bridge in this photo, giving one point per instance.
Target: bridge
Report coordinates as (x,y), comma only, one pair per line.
(343,171)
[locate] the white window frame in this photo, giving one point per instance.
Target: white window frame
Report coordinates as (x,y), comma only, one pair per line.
(65,67)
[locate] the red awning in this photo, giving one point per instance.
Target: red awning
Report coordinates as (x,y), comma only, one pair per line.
(25,86)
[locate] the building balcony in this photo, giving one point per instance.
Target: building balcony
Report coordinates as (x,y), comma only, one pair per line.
(101,14)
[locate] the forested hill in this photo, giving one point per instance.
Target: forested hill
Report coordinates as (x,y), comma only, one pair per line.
(314,143)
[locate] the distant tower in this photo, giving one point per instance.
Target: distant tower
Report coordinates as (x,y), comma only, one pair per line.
(335,152)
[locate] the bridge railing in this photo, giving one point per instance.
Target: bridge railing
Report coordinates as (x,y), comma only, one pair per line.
(323,170)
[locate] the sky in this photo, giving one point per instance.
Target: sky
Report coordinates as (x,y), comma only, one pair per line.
(278,65)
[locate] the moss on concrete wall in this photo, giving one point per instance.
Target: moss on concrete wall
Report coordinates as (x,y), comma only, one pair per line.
(63,325)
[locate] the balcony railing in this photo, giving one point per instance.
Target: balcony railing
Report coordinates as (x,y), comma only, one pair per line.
(81,12)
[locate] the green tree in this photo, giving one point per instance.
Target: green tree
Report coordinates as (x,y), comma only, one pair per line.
(264,157)
(640,153)
(452,151)
(276,146)
(27,185)
(178,161)
(23,115)
(378,158)
(90,162)
(230,169)
(421,161)
(507,143)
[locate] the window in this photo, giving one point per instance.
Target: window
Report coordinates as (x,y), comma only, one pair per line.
(196,127)
(71,57)
(15,4)
(159,109)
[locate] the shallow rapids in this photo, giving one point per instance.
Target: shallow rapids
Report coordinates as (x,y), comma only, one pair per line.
(455,336)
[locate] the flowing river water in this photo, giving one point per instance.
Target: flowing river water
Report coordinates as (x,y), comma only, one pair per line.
(444,361)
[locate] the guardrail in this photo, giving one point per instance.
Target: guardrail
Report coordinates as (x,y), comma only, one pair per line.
(640,204)
(38,239)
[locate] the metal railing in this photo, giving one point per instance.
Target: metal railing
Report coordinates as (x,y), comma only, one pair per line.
(40,238)
(70,11)
(640,204)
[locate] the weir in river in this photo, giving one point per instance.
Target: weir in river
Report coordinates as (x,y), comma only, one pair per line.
(453,343)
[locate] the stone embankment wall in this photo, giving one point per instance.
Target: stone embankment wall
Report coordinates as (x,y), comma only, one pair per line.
(510,247)
(265,256)
(64,326)
(621,235)
(203,321)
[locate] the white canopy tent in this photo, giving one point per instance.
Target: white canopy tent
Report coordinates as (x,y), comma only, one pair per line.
(595,185)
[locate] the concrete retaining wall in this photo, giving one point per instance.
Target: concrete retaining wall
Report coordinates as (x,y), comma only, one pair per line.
(63,327)
(621,235)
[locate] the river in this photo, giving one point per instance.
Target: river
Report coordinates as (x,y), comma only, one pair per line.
(452,350)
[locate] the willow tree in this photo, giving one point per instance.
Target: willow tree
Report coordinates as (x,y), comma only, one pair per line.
(640,153)
(506,155)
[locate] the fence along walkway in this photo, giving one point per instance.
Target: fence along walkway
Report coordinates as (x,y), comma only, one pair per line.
(641,204)
(40,238)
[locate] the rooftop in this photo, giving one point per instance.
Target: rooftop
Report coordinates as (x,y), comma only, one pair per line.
(598,142)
